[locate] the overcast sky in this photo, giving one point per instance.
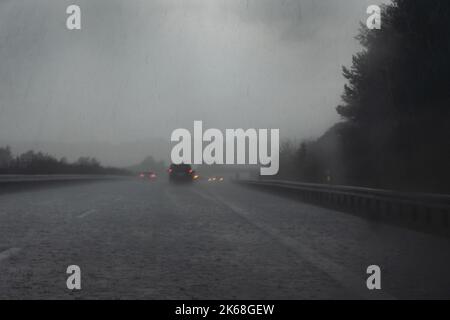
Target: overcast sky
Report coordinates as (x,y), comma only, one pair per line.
(139,69)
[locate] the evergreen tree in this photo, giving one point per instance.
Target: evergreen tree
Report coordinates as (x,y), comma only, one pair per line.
(397,99)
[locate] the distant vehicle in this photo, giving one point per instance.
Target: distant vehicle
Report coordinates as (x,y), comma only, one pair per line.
(215,179)
(148,175)
(182,173)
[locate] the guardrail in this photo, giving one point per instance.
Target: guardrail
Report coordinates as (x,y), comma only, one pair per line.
(51,177)
(10,183)
(426,212)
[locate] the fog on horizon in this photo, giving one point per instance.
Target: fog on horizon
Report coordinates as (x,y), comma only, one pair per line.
(137,70)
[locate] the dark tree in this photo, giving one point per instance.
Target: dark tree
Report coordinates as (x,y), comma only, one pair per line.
(6,157)
(397,99)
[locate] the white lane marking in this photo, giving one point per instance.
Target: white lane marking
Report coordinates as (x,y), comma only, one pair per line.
(337,272)
(8,253)
(86,213)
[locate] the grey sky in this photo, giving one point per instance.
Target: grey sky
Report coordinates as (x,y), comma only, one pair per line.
(139,69)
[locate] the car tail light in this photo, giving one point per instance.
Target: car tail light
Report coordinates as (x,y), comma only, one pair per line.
(190,171)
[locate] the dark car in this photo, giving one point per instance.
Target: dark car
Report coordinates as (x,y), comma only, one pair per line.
(181,173)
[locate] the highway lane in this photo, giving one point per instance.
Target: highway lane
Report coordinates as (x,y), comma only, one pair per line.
(153,240)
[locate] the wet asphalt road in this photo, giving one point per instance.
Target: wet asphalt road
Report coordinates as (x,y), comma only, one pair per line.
(151,240)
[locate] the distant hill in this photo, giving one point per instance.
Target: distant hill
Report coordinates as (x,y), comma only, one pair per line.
(148,164)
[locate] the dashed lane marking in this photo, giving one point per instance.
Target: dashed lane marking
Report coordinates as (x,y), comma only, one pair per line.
(8,253)
(86,213)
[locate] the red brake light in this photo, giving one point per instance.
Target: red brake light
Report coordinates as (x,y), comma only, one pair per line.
(190,171)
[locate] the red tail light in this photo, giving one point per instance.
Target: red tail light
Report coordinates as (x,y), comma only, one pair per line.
(190,171)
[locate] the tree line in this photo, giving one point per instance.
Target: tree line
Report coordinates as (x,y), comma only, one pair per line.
(395,126)
(32,162)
